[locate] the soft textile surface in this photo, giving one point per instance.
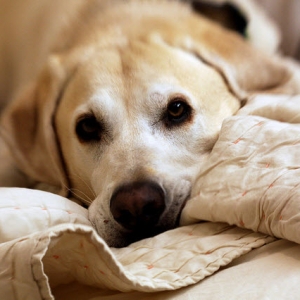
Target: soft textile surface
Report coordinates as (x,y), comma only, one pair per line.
(58,254)
(268,272)
(257,157)
(250,179)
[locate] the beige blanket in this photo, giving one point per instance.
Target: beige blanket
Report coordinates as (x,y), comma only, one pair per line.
(258,158)
(32,264)
(251,180)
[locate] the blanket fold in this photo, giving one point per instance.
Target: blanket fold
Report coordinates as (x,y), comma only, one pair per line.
(258,159)
(72,251)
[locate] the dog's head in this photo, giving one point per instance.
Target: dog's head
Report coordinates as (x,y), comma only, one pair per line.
(134,124)
(125,119)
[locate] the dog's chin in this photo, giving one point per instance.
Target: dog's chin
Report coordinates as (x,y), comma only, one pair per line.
(118,237)
(125,238)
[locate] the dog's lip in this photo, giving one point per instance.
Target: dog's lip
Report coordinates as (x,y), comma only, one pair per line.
(135,236)
(141,235)
(177,223)
(127,237)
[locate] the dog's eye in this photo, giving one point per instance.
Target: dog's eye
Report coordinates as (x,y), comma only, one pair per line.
(178,111)
(88,129)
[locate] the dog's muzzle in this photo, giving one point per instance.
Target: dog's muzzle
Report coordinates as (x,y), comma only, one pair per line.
(138,206)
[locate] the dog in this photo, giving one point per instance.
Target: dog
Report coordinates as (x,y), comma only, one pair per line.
(128,104)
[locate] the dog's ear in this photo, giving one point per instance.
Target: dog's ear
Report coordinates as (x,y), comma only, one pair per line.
(246,69)
(27,127)
(223,13)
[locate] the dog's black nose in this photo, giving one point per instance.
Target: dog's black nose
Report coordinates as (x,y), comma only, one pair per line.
(138,206)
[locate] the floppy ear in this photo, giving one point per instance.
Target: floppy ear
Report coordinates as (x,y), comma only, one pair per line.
(27,126)
(246,69)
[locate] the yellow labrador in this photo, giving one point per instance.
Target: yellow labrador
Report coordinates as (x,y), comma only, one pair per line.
(127,107)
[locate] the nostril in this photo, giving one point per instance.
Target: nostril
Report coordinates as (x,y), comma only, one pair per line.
(138,206)
(152,211)
(125,217)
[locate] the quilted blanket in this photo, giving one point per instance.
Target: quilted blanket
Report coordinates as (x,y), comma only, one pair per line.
(257,157)
(248,187)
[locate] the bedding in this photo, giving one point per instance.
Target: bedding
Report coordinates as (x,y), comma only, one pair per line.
(258,152)
(239,237)
(248,187)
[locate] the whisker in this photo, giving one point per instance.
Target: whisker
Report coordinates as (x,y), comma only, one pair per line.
(87,200)
(295,119)
(85,183)
(81,195)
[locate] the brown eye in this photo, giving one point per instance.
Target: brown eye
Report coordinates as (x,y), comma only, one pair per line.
(88,129)
(178,111)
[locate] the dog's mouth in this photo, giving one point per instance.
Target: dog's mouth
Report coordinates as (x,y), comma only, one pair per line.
(135,236)
(126,237)
(154,220)
(139,210)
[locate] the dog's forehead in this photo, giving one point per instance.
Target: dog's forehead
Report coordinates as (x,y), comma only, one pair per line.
(144,75)
(138,61)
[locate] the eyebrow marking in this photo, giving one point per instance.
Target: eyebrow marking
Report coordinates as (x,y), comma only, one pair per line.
(157,97)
